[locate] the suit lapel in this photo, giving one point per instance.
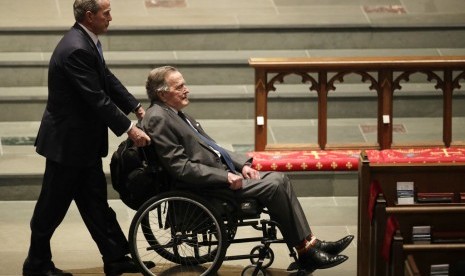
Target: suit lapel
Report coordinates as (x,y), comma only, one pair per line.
(186,128)
(101,65)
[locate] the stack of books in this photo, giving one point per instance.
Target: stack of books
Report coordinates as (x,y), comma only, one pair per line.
(435,197)
(440,270)
(450,236)
(405,193)
(421,234)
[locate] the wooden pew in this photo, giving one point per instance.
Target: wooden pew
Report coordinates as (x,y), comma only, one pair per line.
(427,177)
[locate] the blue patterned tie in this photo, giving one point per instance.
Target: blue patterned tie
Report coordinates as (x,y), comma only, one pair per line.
(224,154)
(100,51)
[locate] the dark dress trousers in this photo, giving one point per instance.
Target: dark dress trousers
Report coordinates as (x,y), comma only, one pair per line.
(194,165)
(84,100)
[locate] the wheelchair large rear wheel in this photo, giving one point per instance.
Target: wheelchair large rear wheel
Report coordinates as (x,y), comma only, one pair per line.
(180,233)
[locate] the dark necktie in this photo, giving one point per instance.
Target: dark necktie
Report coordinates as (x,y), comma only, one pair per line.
(224,154)
(100,51)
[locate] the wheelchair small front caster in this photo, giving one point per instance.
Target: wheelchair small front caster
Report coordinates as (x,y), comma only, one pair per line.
(269,258)
(253,270)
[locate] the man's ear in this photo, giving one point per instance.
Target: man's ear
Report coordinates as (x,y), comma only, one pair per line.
(161,96)
(89,17)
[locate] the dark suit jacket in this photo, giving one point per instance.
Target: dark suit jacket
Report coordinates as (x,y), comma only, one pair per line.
(84,99)
(185,156)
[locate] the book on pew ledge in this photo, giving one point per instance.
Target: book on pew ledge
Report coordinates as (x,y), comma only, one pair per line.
(462,197)
(421,234)
(435,197)
(440,270)
(448,236)
(405,193)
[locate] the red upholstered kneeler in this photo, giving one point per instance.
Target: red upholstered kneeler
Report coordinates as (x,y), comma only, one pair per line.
(417,155)
(316,160)
(347,160)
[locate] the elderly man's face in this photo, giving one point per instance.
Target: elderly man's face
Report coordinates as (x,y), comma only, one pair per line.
(177,95)
(101,20)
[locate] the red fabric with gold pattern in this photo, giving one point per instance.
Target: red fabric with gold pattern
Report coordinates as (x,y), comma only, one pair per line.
(425,156)
(317,160)
(347,160)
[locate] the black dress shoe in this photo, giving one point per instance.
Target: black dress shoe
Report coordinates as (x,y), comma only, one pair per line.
(336,247)
(125,265)
(51,272)
(316,259)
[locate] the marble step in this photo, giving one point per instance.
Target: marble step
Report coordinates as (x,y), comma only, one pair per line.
(217,67)
(21,168)
(273,36)
(237,102)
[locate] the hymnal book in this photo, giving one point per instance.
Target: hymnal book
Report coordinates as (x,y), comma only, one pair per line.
(421,234)
(448,236)
(462,197)
(439,270)
(435,197)
(405,193)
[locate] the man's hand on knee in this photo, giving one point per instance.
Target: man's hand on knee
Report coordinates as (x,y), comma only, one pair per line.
(250,173)
(235,181)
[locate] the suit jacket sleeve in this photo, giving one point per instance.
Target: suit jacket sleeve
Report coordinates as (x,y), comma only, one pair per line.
(81,66)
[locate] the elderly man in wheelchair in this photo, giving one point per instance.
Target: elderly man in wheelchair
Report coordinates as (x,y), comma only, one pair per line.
(208,193)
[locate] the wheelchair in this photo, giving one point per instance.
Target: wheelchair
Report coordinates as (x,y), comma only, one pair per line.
(184,233)
(187,232)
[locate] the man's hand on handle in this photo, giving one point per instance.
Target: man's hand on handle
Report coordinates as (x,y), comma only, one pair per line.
(138,136)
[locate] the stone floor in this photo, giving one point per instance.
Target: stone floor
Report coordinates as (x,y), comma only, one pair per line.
(74,250)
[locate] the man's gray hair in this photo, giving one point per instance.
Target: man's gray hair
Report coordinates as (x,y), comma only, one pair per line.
(80,7)
(156,82)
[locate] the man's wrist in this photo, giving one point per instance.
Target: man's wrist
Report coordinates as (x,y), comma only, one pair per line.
(137,108)
(130,126)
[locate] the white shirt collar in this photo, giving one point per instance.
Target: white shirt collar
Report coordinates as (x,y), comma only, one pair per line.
(93,36)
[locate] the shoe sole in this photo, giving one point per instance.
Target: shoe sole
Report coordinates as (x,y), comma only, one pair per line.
(311,269)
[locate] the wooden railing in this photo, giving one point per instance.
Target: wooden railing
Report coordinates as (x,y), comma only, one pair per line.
(384,74)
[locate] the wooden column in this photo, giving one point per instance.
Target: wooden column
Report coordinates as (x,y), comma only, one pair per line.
(261,103)
(385,95)
(447,112)
(322,109)
(363,232)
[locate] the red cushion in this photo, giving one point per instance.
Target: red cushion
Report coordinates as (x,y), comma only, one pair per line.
(347,160)
(317,160)
(417,155)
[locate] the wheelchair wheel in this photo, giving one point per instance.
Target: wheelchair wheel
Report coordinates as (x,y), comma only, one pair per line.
(180,233)
(252,270)
(269,256)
